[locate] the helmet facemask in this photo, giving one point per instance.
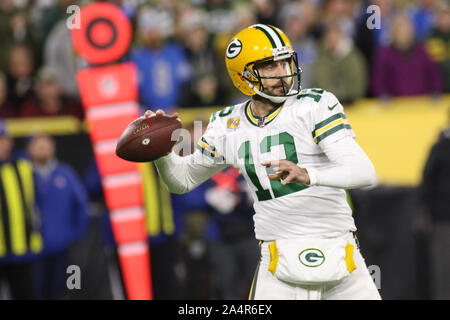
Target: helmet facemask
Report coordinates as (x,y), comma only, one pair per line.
(293,76)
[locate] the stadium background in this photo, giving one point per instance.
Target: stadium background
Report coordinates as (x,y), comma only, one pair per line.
(396,128)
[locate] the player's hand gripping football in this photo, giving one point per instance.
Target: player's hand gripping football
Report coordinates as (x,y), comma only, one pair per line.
(159,112)
(287,171)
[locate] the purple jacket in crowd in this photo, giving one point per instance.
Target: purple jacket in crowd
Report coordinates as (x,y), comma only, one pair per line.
(397,73)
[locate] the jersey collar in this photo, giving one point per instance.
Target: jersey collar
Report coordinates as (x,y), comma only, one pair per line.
(261,121)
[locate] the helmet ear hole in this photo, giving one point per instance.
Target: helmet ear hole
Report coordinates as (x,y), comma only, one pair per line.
(250,75)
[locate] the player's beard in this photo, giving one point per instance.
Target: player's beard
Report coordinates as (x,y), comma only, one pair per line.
(281,88)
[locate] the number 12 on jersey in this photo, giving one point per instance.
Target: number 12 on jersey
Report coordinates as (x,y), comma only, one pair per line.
(265,146)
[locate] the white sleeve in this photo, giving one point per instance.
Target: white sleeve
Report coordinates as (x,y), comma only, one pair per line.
(183,174)
(351,168)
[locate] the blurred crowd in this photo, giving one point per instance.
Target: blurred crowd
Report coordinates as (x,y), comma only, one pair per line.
(203,243)
(349,47)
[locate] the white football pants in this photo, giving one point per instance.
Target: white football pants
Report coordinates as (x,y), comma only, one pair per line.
(359,285)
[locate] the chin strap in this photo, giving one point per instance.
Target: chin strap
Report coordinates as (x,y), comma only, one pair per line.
(276,99)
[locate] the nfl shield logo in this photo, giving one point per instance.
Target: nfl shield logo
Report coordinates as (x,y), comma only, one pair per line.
(261,122)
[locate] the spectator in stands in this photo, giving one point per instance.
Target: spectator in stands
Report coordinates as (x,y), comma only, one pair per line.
(404,68)
(58,53)
(14,29)
(244,16)
(266,11)
(6,108)
(423,18)
(220,16)
(435,194)
(339,12)
(368,40)
(62,203)
(48,100)
(20,238)
(340,66)
(296,27)
(48,16)
(195,39)
(203,91)
(438,43)
(20,74)
(162,66)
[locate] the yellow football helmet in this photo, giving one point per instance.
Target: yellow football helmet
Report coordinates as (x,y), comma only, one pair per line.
(258,44)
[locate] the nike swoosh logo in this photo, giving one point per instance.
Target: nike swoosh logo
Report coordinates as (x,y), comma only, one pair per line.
(331,108)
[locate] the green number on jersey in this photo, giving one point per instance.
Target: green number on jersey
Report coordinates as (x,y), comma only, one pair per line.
(246,154)
(222,113)
(287,141)
(226,111)
(266,144)
(317,95)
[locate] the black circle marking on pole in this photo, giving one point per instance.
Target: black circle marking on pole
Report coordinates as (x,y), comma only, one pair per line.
(89,29)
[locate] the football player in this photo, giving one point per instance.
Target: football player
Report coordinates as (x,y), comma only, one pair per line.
(297,152)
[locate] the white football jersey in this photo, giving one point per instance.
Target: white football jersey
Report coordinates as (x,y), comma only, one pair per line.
(297,131)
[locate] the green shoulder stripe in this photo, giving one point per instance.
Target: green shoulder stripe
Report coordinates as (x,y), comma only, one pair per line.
(327,121)
(331,131)
(212,155)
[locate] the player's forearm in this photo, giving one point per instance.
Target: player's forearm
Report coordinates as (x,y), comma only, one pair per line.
(352,168)
(349,176)
(168,170)
(183,174)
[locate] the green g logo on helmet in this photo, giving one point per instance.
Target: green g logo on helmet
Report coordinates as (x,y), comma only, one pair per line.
(234,48)
(311,257)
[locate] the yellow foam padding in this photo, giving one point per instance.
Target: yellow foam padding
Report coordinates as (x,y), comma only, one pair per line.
(273,257)
(349,257)
(62,125)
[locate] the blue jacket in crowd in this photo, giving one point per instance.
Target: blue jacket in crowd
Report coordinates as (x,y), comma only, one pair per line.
(161,75)
(63,205)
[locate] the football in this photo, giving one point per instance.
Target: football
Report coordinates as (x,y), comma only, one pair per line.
(147,139)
